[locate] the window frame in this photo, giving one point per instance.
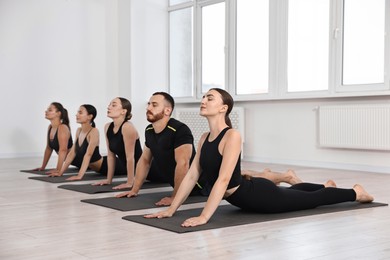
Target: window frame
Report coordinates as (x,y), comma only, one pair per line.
(278,34)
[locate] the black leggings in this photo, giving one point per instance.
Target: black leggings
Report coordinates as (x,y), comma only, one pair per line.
(155,175)
(263,196)
(120,168)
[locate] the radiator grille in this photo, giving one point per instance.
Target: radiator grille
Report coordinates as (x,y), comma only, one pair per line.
(199,125)
(365,126)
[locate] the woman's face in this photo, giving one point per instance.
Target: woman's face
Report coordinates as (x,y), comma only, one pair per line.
(82,116)
(115,110)
(52,113)
(211,103)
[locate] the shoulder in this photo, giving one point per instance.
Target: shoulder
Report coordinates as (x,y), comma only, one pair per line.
(94,132)
(63,127)
(232,136)
(233,133)
(128,127)
(107,125)
(177,126)
(148,128)
(176,123)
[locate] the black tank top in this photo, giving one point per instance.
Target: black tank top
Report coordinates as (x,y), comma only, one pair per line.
(117,146)
(54,144)
(82,150)
(210,161)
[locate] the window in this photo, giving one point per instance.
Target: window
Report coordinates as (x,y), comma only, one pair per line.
(181,53)
(213,46)
(252,46)
(363,42)
(308,45)
(263,49)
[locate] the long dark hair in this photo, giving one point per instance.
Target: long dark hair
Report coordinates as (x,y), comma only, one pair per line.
(64,113)
(227,99)
(91,110)
(126,105)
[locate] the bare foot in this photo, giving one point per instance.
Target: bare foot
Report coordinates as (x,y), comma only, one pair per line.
(292,177)
(362,195)
(330,183)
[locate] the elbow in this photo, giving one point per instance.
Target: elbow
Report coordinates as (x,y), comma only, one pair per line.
(63,151)
(183,164)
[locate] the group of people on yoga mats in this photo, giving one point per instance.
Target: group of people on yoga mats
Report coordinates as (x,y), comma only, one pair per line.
(169,156)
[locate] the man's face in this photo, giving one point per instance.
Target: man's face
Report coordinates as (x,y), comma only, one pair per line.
(156,108)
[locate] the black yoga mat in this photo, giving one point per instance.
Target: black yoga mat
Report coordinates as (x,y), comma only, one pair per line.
(228,216)
(61,179)
(91,189)
(142,201)
(68,171)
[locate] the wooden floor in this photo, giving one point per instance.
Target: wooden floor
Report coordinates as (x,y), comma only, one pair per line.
(40,221)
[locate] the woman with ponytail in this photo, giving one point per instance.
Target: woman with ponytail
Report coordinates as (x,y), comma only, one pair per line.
(59,137)
(123,145)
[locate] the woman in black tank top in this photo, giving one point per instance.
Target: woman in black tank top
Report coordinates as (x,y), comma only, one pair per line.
(59,137)
(123,145)
(85,151)
(219,161)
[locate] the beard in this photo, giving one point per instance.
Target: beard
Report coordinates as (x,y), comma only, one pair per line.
(154,117)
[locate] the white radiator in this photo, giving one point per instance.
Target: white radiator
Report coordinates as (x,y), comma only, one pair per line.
(198,124)
(365,126)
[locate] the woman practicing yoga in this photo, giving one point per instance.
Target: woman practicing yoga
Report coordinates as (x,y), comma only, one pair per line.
(123,145)
(218,158)
(85,152)
(59,137)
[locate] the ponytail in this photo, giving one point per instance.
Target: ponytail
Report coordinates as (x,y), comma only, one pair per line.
(228,121)
(226,100)
(64,113)
(91,110)
(65,117)
(126,105)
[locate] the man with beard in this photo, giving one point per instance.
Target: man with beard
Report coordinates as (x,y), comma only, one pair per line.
(168,151)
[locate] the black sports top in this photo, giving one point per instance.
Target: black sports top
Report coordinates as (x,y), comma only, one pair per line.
(54,144)
(210,161)
(82,150)
(162,146)
(117,146)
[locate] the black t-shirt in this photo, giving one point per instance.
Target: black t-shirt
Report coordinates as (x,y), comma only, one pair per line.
(163,145)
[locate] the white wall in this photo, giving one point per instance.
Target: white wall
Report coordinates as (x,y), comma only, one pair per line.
(286,132)
(148,55)
(53,50)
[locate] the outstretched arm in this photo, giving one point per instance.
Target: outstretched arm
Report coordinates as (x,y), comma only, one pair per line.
(93,142)
(130,137)
(184,189)
(141,173)
(230,148)
(69,158)
(110,162)
(63,135)
(182,157)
